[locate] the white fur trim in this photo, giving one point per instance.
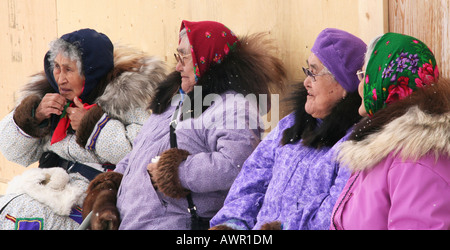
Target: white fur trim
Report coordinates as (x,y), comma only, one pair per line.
(412,136)
(52,187)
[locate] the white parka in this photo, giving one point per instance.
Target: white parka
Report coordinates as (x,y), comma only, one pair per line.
(108,139)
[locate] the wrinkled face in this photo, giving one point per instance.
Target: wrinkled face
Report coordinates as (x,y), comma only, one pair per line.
(68,78)
(187,70)
(323,93)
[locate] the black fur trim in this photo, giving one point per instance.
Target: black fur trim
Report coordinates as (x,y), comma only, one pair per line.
(333,127)
(249,69)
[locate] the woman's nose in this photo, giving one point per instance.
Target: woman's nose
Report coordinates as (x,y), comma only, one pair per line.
(307,82)
(61,78)
(179,67)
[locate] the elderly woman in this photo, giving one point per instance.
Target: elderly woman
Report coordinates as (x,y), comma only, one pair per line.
(400,154)
(290,181)
(202,135)
(84,111)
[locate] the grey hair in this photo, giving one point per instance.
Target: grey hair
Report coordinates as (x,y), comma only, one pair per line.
(370,49)
(68,50)
(183,33)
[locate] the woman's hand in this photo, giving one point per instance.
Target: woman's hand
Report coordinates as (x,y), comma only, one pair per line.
(51,104)
(76,113)
(151,168)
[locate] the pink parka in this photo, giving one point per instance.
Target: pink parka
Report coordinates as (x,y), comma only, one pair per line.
(401,169)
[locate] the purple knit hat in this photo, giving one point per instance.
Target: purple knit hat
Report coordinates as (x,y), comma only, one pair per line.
(343,55)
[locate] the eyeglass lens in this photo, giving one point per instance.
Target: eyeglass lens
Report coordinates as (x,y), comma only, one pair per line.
(309,73)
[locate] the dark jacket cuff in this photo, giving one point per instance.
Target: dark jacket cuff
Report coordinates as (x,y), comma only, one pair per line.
(166,176)
(24,118)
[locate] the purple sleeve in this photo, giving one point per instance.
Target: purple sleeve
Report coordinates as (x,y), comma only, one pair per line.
(247,194)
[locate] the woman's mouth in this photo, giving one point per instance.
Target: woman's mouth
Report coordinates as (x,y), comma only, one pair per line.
(64,91)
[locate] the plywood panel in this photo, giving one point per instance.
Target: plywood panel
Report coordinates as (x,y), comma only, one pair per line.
(429,21)
(27,27)
(153,25)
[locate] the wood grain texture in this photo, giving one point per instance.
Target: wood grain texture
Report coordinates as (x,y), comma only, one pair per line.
(428,21)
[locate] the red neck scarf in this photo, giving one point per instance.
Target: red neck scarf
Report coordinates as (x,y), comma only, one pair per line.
(64,123)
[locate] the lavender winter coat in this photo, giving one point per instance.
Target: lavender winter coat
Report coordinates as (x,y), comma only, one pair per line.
(218,147)
(293,184)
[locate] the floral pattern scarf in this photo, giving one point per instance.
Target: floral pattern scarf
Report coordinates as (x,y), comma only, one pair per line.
(399,64)
(210,43)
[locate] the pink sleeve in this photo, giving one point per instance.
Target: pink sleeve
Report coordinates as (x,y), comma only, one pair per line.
(420,198)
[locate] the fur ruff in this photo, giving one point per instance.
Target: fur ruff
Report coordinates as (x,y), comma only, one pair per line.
(129,85)
(251,68)
(135,78)
(52,187)
(411,128)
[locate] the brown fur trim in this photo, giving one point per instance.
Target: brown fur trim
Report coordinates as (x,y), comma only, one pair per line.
(103,181)
(166,175)
(275,225)
(87,125)
(105,213)
(221,227)
(23,117)
(37,85)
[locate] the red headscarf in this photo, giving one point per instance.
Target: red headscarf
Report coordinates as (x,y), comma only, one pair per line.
(210,43)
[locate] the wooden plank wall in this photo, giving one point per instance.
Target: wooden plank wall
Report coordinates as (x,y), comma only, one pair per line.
(27,27)
(428,21)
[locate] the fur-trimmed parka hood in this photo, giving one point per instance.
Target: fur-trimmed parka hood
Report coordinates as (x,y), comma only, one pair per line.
(129,85)
(251,68)
(410,128)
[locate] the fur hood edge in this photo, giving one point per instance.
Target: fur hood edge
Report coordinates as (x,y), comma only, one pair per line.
(132,82)
(412,135)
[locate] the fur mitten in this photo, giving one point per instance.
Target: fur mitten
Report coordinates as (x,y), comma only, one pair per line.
(101,199)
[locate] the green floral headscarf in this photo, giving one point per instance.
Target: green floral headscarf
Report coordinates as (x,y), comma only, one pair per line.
(399,64)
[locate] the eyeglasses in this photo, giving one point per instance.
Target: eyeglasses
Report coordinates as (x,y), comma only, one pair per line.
(360,73)
(180,58)
(312,75)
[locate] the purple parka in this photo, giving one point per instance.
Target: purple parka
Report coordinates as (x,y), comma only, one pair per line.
(219,141)
(293,184)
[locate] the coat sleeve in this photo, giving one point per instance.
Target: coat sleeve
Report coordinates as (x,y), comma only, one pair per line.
(112,139)
(316,215)
(417,201)
(247,194)
(16,145)
(216,170)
